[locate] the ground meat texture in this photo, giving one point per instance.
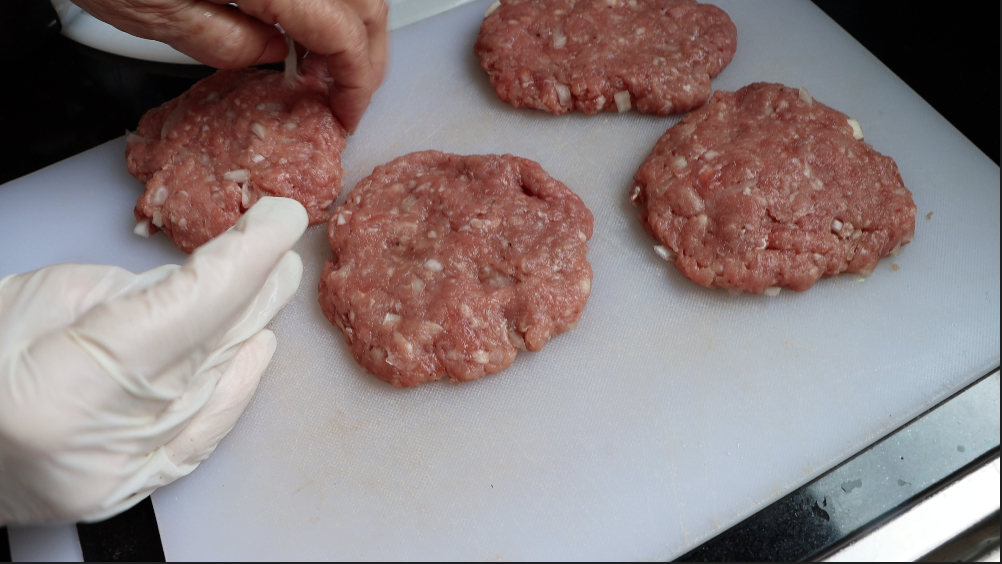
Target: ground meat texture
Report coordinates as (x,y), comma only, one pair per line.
(605,55)
(767,188)
(231,139)
(445,265)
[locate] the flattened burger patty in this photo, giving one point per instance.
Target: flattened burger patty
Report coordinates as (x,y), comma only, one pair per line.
(445,265)
(231,139)
(603,55)
(767,188)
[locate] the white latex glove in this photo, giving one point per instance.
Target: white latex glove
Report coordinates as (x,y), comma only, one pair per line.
(113,384)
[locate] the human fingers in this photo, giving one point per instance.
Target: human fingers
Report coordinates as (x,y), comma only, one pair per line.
(229,399)
(152,342)
(202,434)
(140,396)
(276,292)
(352,90)
(374,14)
(274,295)
(35,303)
(216,34)
(334,29)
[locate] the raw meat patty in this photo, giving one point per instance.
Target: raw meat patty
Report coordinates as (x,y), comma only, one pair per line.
(231,139)
(445,265)
(767,188)
(592,55)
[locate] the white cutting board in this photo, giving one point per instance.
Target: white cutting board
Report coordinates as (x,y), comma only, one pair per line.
(669,414)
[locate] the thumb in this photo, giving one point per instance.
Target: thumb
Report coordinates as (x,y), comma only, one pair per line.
(155,340)
(232,394)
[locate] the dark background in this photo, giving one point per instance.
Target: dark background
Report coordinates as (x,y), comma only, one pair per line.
(58,99)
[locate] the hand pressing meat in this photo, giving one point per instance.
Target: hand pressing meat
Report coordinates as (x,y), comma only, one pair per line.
(233,138)
(351,34)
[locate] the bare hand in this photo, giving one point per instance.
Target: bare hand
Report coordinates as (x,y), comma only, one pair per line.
(350,33)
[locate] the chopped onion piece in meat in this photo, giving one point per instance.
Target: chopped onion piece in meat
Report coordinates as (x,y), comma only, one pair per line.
(805,96)
(623,101)
(559,40)
(635,195)
(516,340)
(417,285)
(433,265)
(772,291)
(131,137)
(563,94)
(159,197)
(238,175)
(494,6)
(142,228)
(665,253)
(408,202)
(857,130)
(259,130)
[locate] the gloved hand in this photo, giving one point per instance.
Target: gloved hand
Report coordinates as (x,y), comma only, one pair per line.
(113,384)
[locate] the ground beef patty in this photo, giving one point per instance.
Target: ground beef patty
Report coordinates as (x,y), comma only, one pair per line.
(592,55)
(767,188)
(231,139)
(444,265)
